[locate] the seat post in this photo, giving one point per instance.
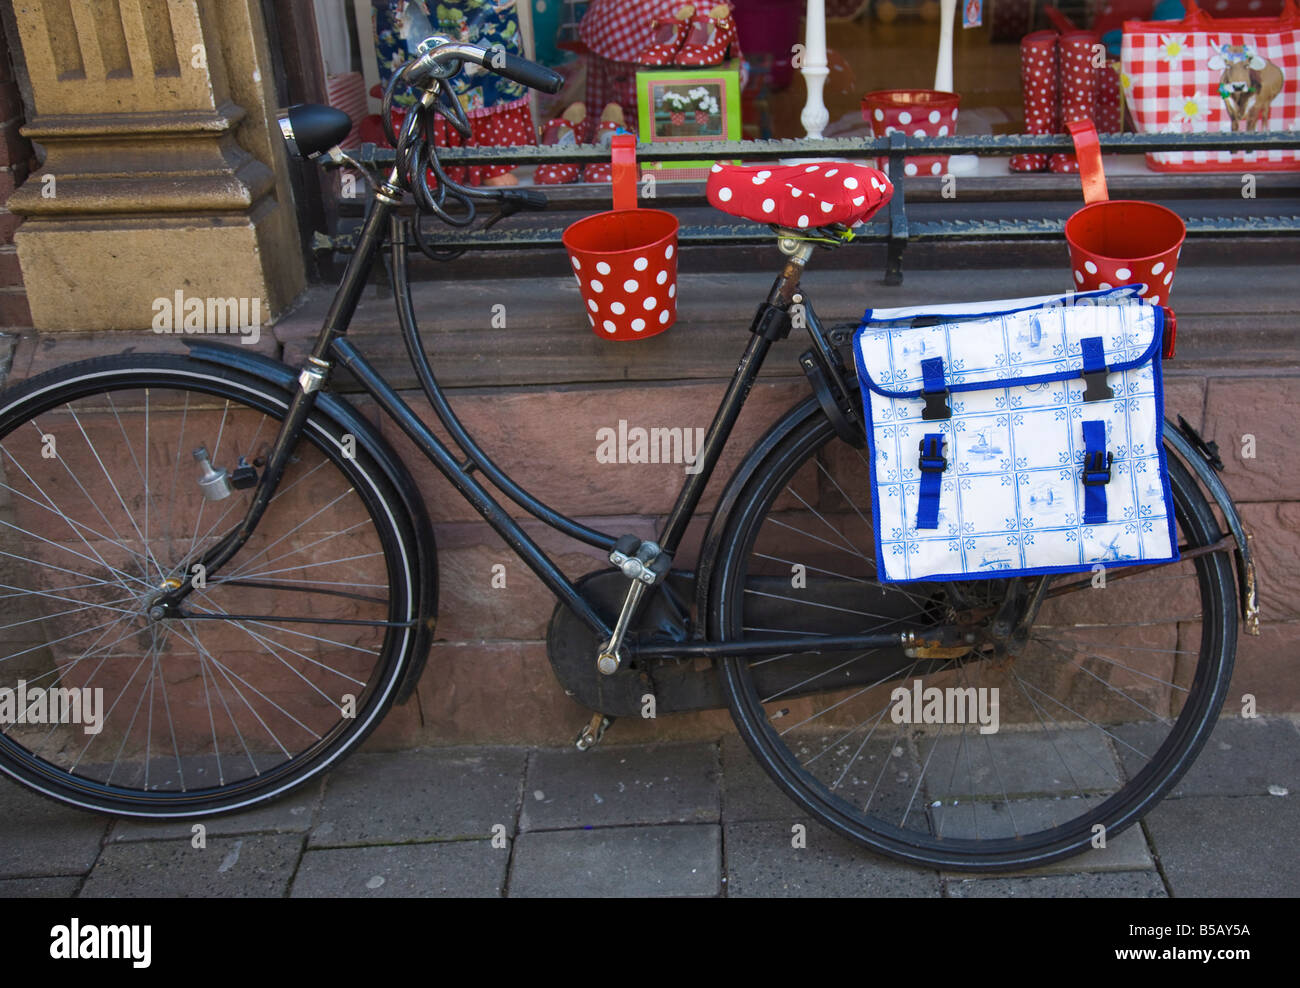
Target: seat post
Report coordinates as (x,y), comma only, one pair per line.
(771,323)
(797,253)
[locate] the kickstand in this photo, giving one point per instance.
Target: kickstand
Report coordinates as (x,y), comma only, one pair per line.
(595,730)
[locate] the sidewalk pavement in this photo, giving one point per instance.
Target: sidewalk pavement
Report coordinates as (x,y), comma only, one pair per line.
(688,819)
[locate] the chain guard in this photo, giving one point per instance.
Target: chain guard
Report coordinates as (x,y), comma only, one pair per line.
(675,684)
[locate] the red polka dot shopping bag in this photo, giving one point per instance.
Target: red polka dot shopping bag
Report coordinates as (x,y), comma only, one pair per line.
(625,259)
(1206,74)
(1116,242)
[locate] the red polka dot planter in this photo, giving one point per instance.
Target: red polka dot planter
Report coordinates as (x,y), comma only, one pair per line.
(1119,241)
(625,260)
(626,266)
(1122,242)
(917,113)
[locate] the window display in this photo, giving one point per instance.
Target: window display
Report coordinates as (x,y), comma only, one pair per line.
(1216,74)
(497,107)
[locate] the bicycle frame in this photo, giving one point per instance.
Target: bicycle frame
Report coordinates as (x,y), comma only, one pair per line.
(331,345)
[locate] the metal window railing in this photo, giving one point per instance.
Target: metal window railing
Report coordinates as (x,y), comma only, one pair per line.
(894,226)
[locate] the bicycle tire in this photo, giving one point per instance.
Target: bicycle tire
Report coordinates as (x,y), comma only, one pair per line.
(740,598)
(251,707)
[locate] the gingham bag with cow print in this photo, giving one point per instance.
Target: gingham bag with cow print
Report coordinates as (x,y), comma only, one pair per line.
(1016,437)
(1215,75)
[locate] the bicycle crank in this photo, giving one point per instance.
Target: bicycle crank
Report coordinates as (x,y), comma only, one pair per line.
(644,564)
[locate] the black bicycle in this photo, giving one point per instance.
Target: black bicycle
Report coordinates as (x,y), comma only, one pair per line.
(242,566)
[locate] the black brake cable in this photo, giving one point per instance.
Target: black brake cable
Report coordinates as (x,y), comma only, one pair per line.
(416,155)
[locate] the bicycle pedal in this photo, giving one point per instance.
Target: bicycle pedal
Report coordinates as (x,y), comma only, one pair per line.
(593,731)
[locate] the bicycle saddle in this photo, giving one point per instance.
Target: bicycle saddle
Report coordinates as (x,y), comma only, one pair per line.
(799,196)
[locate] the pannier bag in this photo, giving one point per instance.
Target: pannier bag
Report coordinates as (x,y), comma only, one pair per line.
(1020,436)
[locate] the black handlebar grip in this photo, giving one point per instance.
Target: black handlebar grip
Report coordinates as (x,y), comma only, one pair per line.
(526,198)
(521,70)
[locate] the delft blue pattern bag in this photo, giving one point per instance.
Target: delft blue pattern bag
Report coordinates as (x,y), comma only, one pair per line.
(1020,436)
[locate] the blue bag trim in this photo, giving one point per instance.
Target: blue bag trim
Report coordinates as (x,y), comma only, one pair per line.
(1062,301)
(1094,354)
(932,374)
(1096,471)
(932,465)
(869,424)
(1156,345)
(1153,348)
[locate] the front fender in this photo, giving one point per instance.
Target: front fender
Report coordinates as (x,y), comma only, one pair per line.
(341,411)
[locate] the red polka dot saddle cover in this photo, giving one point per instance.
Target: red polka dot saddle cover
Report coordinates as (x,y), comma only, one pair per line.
(799,196)
(1020,436)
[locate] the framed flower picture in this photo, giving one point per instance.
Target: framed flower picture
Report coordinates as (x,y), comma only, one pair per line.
(689,104)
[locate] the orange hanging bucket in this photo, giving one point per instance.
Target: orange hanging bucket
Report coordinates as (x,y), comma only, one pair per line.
(1119,241)
(625,260)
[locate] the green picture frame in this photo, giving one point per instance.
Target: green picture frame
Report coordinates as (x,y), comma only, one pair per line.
(687,104)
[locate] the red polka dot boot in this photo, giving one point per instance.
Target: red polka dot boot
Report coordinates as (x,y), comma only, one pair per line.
(611,119)
(1078,75)
(669,35)
(562,131)
(710,38)
(1039,86)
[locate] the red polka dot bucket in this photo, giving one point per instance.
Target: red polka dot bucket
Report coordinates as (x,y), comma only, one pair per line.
(917,113)
(625,260)
(1119,241)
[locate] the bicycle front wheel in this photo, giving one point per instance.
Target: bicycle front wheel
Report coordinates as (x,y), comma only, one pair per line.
(1010,754)
(291,652)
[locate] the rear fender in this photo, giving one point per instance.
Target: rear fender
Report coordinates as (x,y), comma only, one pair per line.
(1189,449)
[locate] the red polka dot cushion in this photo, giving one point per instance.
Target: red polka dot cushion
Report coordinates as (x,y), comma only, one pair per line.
(799,196)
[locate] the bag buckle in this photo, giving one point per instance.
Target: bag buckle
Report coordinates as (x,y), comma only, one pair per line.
(1096,468)
(1095,386)
(932,460)
(936,405)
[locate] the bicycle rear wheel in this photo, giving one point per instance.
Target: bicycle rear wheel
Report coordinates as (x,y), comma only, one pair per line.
(294,647)
(1100,709)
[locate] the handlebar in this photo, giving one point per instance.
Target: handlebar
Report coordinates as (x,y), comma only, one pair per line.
(444,55)
(417,158)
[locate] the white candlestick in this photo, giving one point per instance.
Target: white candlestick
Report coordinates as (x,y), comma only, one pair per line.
(943,69)
(815,116)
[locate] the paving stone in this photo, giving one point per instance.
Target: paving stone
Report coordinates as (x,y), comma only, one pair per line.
(762,861)
(1228,846)
(1241,757)
(1017,763)
(635,862)
(621,786)
(52,887)
(425,794)
(41,837)
(289,814)
(748,792)
(1113,885)
(1126,851)
(463,869)
(255,866)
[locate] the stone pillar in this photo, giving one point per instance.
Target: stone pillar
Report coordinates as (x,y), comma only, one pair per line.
(163,171)
(15,163)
